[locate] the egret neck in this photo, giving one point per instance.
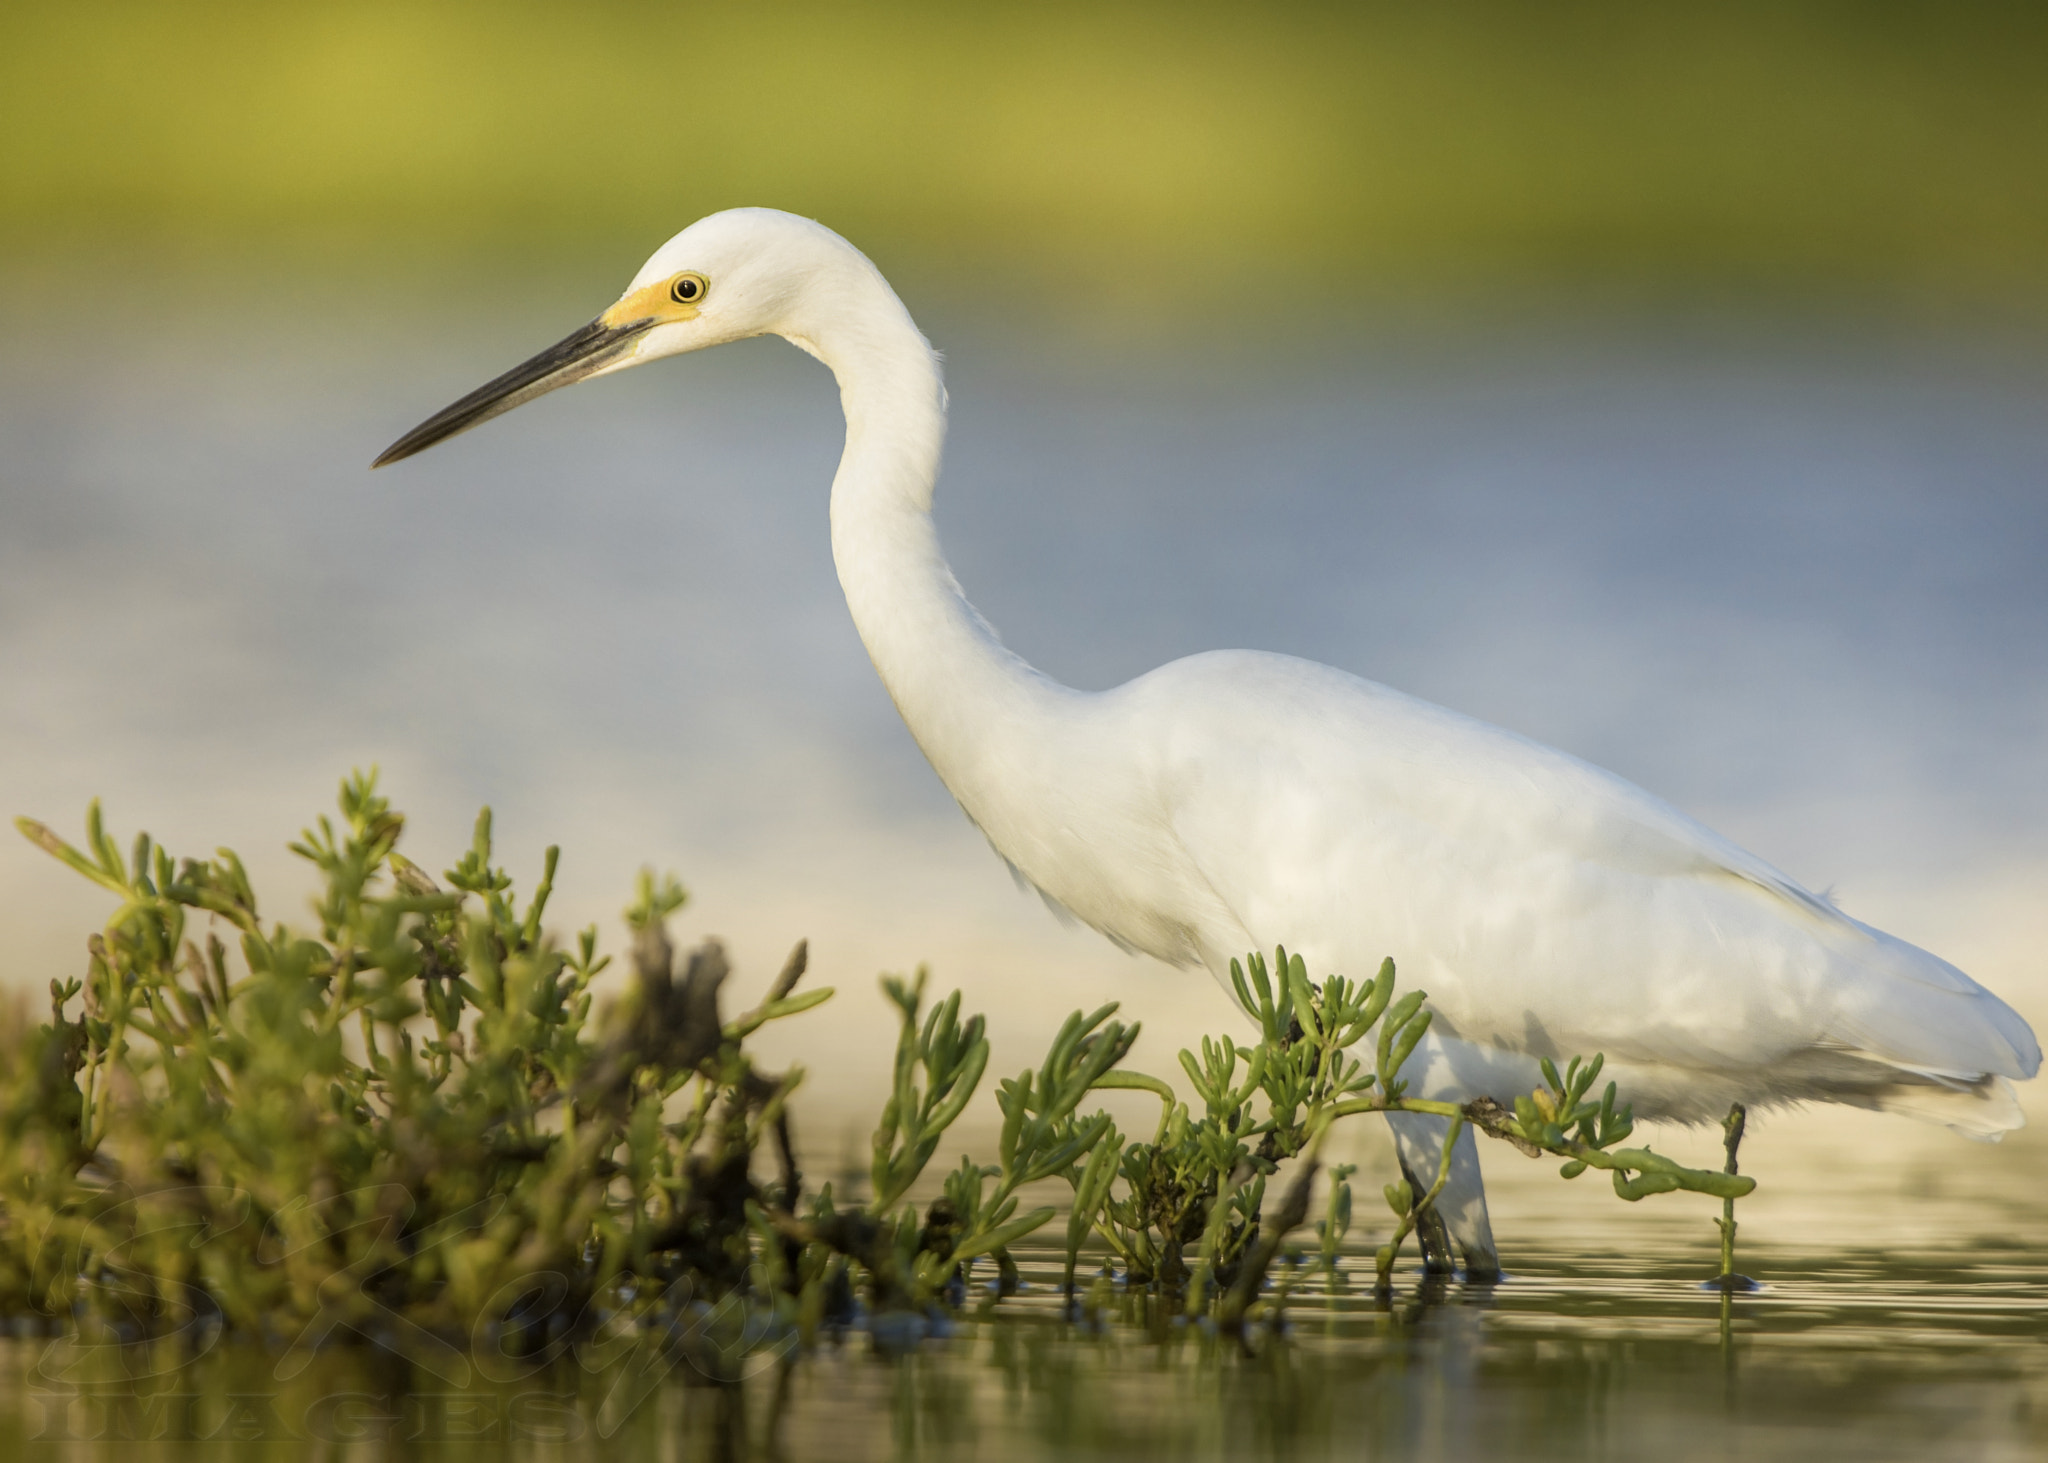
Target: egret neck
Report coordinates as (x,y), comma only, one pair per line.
(979,712)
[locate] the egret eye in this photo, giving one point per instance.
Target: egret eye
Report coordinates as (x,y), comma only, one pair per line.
(687,289)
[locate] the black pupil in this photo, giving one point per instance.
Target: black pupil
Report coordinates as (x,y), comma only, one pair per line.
(686,289)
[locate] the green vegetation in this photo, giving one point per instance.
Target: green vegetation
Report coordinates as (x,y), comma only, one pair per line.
(1124,150)
(408,1124)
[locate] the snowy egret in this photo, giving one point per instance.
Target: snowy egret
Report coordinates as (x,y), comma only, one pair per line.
(1236,800)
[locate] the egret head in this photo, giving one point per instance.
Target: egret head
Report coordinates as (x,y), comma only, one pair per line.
(736,274)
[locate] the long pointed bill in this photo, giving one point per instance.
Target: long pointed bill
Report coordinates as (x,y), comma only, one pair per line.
(585,353)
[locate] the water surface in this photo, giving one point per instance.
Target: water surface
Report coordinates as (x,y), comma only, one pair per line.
(1853,1354)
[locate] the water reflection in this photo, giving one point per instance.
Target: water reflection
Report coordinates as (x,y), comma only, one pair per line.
(1851,1356)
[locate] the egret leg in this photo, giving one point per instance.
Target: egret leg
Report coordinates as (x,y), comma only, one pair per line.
(1731,1130)
(1431,1233)
(1459,1215)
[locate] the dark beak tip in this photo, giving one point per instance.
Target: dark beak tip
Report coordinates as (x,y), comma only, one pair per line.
(398,451)
(562,363)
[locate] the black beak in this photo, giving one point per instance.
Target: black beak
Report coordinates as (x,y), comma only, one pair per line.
(565,363)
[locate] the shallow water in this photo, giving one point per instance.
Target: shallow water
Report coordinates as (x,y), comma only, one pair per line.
(1858,1354)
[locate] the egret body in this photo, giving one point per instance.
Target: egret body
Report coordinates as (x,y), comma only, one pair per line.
(1237,800)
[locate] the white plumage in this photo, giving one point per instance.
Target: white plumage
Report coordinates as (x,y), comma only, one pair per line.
(1237,800)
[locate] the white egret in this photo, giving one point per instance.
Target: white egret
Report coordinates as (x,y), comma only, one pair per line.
(1236,800)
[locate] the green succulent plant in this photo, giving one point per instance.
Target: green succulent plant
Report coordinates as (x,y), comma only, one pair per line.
(407,1121)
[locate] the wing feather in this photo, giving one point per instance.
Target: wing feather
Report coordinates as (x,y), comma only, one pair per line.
(1544,902)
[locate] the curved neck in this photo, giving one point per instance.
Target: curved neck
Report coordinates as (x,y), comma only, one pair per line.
(966,698)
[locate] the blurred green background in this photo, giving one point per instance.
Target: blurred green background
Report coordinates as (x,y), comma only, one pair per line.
(1152,157)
